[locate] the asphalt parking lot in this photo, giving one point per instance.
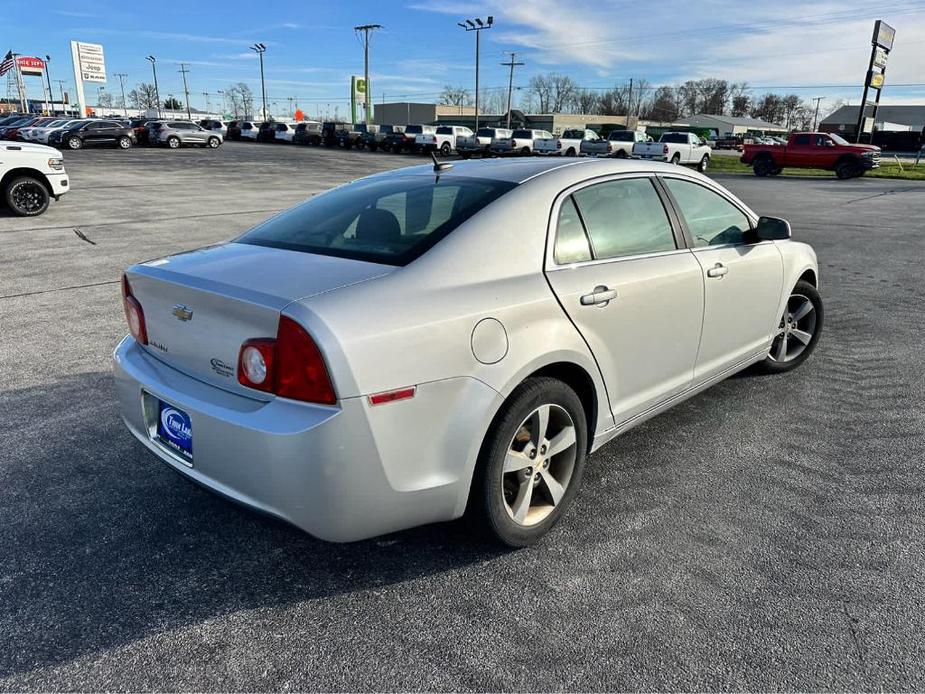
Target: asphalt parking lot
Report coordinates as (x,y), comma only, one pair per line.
(765,535)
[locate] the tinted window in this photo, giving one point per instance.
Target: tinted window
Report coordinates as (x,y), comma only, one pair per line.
(678,138)
(444,130)
(801,140)
(486,132)
(711,219)
(573,134)
(622,136)
(413,129)
(625,218)
(392,220)
(523,134)
(571,240)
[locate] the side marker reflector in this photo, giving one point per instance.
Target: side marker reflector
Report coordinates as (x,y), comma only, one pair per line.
(391,396)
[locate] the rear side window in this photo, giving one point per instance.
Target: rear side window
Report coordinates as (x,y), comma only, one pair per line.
(625,218)
(711,219)
(801,140)
(571,241)
(392,220)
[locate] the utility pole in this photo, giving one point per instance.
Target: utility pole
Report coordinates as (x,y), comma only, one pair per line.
(290,115)
(629,106)
(157,94)
(477,26)
(367,98)
(208,103)
(260,49)
(122,76)
(510,87)
(61,88)
(51,97)
(816,114)
(184,68)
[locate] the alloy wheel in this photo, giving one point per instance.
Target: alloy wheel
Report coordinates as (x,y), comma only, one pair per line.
(28,197)
(796,329)
(539,465)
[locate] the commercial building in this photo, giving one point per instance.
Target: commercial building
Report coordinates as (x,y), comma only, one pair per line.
(735,125)
(406,112)
(889,118)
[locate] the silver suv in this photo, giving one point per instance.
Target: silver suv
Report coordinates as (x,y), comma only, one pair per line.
(175,133)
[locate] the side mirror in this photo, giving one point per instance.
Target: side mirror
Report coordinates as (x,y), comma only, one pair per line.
(772,229)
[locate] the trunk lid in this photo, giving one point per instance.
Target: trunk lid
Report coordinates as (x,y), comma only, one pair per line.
(200,306)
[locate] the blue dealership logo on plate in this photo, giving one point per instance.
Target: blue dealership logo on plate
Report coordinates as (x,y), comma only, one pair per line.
(175,427)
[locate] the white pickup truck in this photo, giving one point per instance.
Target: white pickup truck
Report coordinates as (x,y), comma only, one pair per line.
(520,142)
(568,144)
(480,142)
(443,139)
(30,175)
(676,148)
(618,144)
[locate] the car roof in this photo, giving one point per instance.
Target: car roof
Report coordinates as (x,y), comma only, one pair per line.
(521,170)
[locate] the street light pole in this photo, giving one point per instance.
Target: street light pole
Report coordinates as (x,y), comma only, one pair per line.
(260,49)
(510,86)
(122,76)
(51,97)
(477,26)
(367,101)
(157,94)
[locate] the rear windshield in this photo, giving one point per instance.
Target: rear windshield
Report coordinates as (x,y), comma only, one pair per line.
(392,220)
(621,136)
(414,129)
(445,130)
(247,126)
(675,137)
(573,134)
(523,134)
(486,132)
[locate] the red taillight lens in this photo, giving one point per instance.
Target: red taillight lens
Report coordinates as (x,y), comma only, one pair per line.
(290,366)
(134,315)
(558,145)
(513,143)
(665,149)
(610,146)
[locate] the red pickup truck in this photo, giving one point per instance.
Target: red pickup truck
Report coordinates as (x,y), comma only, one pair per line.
(812,151)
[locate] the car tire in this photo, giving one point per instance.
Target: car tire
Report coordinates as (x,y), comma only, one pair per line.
(763,166)
(704,163)
(570,152)
(525,151)
(620,154)
(124,143)
(173,142)
(213,143)
(445,149)
(26,196)
(846,168)
(798,331)
(517,506)
(776,171)
(74,143)
(465,155)
(373,146)
(676,158)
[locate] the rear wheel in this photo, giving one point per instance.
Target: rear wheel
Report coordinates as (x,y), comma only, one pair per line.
(445,149)
(620,154)
(124,143)
(763,166)
(525,151)
(798,330)
(570,152)
(26,196)
(676,159)
(173,142)
(531,463)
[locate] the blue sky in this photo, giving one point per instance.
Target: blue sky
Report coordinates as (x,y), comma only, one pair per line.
(312,49)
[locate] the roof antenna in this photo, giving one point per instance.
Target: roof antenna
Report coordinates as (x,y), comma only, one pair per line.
(440,165)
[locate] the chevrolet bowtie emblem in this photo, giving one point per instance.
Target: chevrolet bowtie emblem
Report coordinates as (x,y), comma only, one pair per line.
(184,313)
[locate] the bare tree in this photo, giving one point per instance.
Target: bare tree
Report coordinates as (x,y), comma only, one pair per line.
(587,101)
(554,93)
(143,96)
(456,96)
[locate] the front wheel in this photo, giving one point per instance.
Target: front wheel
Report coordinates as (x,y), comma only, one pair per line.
(525,152)
(74,143)
(704,163)
(846,169)
(798,330)
(763,166)
(26,197)
(531,463)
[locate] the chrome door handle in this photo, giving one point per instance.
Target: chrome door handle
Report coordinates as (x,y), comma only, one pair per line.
(718,270)
(601,296)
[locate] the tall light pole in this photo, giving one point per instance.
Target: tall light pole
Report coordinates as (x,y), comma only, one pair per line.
(510,86)
(122,76)
(184,68)
(208,103)
(222,92)
(51,97)
(366,28)
(260,49)
(157,94)
(816,114)
(477,26)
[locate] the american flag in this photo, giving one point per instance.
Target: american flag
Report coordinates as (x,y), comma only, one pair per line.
(7,63)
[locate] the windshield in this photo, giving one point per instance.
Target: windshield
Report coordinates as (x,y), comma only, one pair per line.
(839,140)
(386,220)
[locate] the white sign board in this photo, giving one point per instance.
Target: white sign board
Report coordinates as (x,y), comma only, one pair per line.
(92,63)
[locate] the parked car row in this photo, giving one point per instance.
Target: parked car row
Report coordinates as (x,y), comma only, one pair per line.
(67,132)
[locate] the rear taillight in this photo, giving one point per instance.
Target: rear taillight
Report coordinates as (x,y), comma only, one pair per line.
(610,146)
(665,149)
(290,366)
(134,316)
(558,145)
(514,143)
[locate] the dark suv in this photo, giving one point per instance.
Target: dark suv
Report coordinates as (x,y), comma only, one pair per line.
(234,130)
(307,134)
(353,136)
(94,133)
(267,131)
(376,140)
(329,132)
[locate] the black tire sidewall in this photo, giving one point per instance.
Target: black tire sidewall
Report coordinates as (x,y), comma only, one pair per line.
(8,197)
(810,292)
(486,501)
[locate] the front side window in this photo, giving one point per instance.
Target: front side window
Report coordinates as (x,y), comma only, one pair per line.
(392,220)
(801,140)
(711,219)
(571,240)
(625,218)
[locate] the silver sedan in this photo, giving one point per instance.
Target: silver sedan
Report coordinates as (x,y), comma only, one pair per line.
(438,341)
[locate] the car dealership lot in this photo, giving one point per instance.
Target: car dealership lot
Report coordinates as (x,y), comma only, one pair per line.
(766,534)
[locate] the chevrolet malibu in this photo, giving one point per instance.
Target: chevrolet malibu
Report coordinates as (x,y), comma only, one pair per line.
(438,341)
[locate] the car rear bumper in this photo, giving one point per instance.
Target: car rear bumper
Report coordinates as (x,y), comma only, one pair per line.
(340,473)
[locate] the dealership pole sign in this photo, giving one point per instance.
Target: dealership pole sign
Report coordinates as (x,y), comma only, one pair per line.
(357,95)
(89,66)
(31,67)
(881,45)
